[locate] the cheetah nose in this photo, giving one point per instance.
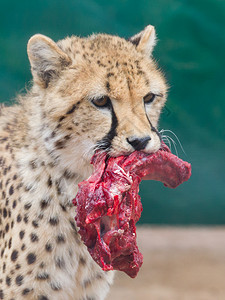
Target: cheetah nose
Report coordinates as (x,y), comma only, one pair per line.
(138,143)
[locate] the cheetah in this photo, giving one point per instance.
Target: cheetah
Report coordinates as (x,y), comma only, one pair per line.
(100,92)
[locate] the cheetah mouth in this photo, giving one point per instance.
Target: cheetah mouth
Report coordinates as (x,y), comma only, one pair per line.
(108,205)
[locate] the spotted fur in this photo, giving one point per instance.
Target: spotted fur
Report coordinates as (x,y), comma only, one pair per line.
(46,142)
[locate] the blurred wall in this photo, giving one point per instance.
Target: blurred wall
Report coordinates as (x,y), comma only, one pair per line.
(190,50)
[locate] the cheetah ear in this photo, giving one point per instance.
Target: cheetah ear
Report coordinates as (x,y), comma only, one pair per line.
(145,40)
(46,59)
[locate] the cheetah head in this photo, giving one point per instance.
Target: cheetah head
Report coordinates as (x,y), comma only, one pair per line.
(101,92)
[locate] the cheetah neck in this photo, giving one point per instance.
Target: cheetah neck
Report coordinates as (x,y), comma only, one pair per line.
(61,168)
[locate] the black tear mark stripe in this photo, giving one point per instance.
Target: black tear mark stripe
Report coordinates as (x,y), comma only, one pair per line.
(106,142)
(153,128)
(72,109)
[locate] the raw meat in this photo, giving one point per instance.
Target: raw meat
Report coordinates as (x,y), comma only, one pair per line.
(108,205)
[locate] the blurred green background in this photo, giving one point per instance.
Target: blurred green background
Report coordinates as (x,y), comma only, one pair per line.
(190,50)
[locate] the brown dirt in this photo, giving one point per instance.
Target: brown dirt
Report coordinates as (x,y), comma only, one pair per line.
(179,264)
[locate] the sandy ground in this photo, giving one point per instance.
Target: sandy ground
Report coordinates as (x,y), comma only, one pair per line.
(179,264)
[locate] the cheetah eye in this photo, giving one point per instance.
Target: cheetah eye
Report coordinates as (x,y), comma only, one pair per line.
(101,102)
(149,98)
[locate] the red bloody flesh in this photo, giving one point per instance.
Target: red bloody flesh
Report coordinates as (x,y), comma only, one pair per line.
(108,205)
